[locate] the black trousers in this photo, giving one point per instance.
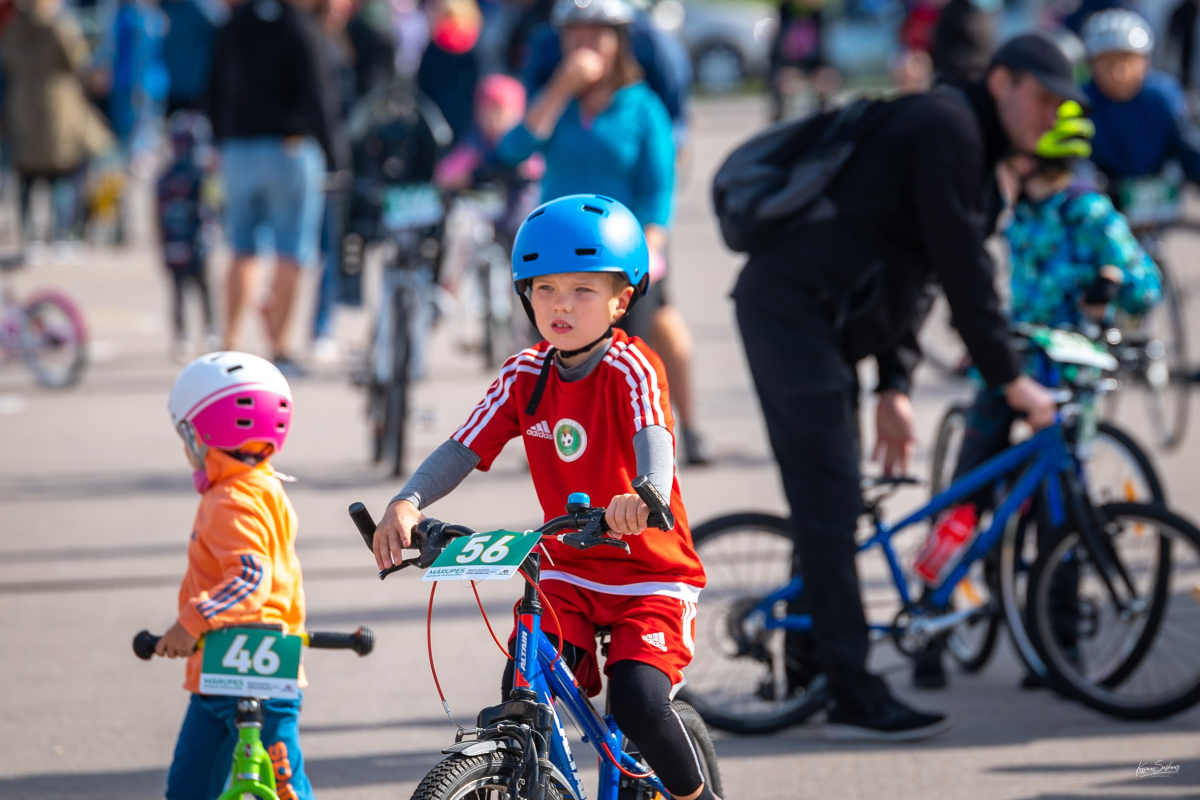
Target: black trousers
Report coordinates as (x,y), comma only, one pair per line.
(809,396)
(180,278)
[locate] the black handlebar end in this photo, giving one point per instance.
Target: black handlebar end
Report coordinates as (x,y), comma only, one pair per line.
(364,523)
(660,510)
(144,644)
(362,641)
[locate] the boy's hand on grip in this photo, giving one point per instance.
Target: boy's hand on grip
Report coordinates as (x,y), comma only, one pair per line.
(627,515)
(176,643)
(394,532)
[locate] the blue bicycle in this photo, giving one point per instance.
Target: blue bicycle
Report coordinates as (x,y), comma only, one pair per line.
(519,749)
(1111,612)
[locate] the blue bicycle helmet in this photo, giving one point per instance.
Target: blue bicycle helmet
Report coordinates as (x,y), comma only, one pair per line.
(580,233)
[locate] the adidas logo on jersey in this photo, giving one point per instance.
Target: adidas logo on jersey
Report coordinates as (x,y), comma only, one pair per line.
(540,431)
(656,639)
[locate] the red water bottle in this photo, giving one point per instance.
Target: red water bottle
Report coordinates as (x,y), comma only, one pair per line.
(953,530)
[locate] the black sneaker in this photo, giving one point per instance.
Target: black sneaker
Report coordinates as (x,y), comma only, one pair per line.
(696,451)
(928,672)
(290,369)
(887,720)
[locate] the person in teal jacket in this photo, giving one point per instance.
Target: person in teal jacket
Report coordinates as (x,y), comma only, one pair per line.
(603,130)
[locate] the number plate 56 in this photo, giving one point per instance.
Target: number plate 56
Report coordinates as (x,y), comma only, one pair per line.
(491,556)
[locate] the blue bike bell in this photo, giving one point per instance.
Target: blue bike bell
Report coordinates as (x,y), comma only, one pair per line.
(577,502)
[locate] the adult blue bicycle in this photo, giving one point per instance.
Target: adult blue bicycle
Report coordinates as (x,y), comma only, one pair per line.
(1112,601)
(518,750)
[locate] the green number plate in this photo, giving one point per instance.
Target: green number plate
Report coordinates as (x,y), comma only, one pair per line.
(250,662)
(492,556)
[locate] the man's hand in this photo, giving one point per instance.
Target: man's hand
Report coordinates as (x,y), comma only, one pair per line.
(394,532)
(627,515)
(894,434)
(176,643)
(1027,395)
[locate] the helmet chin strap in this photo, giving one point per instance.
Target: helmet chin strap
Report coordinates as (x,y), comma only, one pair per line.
(539,388)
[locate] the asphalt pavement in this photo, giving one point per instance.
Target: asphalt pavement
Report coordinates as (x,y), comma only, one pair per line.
(96,505)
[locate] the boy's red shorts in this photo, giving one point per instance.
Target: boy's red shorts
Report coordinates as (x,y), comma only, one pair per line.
(653,629)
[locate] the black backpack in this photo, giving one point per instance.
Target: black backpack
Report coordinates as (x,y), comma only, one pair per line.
(772,183)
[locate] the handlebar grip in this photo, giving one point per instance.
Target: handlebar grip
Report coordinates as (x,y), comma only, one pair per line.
(362,641)
(364,523)
(144,644)
(660,510)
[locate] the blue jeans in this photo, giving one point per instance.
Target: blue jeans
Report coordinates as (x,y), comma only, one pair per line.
(275,185)
(331,271)
(204,751)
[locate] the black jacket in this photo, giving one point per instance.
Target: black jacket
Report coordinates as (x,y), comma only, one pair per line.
(914,205)
(269,77)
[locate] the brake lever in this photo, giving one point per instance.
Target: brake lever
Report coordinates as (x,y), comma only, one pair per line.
(592,535)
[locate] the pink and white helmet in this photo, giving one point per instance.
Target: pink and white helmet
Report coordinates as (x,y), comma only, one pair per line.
(231,399)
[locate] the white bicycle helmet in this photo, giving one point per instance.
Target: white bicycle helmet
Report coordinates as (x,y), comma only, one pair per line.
(1117,30)
(227,400)
(591,12)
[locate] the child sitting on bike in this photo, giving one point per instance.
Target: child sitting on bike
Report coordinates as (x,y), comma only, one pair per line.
(594,411)
(1073,259)
(499,107)
(233,412)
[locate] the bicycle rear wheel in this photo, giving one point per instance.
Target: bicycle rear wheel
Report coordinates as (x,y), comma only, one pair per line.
(495,280)
(54,340)
(396,407)
(1129,651)
(738,680)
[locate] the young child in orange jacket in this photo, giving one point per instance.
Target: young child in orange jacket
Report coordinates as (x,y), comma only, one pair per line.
(233,412)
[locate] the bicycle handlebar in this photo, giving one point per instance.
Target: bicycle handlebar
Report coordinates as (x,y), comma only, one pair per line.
(362,641)
(430,536)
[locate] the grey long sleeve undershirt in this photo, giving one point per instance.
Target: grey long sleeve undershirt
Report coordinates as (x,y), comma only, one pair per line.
(451,463)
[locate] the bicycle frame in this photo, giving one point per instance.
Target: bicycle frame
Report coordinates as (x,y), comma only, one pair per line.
(539,668)
(1043,456)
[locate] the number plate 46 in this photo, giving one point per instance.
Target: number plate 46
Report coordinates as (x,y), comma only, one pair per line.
(250,662)
(492,556)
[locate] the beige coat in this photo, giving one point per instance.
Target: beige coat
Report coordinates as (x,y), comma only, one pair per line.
(50,123)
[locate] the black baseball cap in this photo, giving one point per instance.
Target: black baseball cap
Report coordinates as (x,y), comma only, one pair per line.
(1038,55)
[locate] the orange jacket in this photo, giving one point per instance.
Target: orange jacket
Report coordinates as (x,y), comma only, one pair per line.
(242,564)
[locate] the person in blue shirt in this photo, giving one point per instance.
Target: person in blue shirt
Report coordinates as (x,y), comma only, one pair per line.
(1140,114)
(666,67)
(187,53)
(603,130)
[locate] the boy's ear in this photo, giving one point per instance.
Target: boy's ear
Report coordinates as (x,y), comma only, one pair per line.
(623,300)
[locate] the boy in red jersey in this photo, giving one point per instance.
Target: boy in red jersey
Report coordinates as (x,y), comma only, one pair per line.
(593,407)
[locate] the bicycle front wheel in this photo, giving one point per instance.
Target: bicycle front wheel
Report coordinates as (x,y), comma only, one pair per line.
(742,678)
(54,341)
(489,776)
(1119,630)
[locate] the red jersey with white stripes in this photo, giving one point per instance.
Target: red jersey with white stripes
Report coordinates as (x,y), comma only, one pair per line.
(580,439)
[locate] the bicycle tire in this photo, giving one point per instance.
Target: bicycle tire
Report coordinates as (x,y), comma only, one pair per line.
(75,334)
(460,777)
(1096,694)
(495,276)
(952,424)
(974,660)
(706,753)
(395,424)
(726,716)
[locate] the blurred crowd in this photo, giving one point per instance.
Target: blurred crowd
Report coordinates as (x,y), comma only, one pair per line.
(254,117)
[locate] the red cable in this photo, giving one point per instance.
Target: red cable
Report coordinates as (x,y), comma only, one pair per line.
(488,622)
(617,764)
(429,643)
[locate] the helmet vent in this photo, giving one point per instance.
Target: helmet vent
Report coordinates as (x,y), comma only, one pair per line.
(605,199)
(245,402)
(585,251)
(529,257)
(232,369)
(594,210)
(245,423)
(537,213)
(280,426)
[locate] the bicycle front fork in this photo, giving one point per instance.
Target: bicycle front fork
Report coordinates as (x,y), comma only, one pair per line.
(253,772)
